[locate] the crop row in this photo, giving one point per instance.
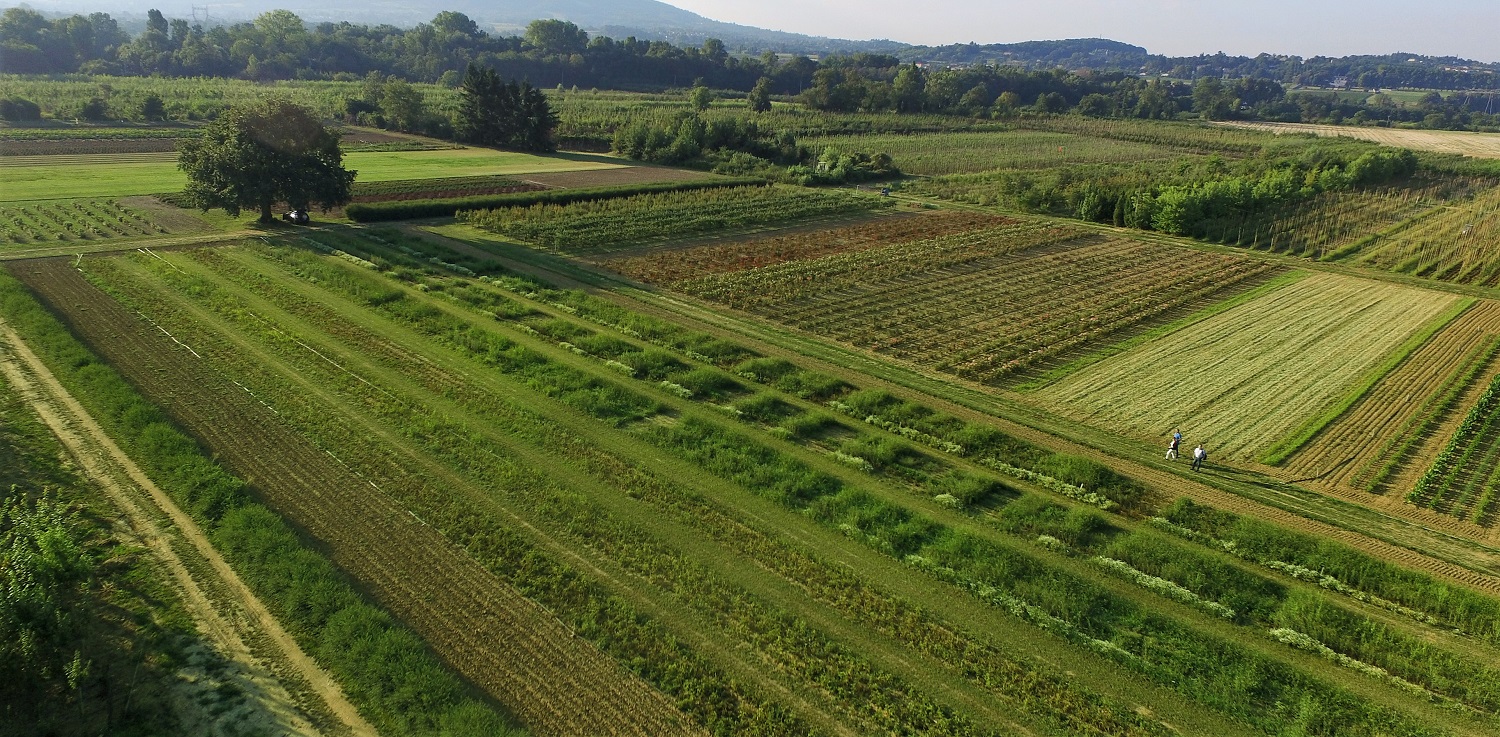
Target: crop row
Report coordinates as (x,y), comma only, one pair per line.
(1398,446)
(684,264)
(783,284)
(989,318)
(1336,223)
(1454,244)
(446,206)
(629,546)
(397,682)
(809,490)
(937,154)
(602,225)
(72,220)
(1464,480)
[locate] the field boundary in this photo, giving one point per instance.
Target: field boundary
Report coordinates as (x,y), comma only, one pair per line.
(1282,450)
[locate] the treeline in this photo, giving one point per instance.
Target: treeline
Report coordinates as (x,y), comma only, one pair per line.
(1365,71)
(739,147)
(1214,198)
(278,45)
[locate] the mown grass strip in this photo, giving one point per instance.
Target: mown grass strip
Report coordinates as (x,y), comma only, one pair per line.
(384,668)
(1077,364)
(1284,449)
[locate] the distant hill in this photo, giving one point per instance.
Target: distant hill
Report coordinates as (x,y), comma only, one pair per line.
(1074,53)
(647,19)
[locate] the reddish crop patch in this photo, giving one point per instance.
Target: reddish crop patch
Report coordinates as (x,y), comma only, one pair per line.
(668,266)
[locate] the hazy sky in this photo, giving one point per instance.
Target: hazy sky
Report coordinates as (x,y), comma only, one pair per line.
(1464,28)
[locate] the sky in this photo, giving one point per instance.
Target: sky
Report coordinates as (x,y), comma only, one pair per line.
(1463,28)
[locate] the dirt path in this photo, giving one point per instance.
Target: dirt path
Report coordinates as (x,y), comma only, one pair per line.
(102,460)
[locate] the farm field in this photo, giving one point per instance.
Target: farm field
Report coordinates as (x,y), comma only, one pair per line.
(1478,145)
(986,303)
(486,409)
(729,457)
(1464,478)
(1455,243)
(936,154)
(448,598)
(1400,426)
(1244,380)
(106,175)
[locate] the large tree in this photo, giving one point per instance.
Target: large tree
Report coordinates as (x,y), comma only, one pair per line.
(256,156)
(493,112)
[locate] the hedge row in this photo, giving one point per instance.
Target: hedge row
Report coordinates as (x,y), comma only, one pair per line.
(413,209)
(384,668)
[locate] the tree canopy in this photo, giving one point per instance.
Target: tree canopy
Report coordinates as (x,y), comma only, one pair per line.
(493,112)
(256,156)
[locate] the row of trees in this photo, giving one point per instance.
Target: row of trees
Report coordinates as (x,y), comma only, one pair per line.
(278,45)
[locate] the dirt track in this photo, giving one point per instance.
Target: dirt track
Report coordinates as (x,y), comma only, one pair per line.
(506,645)
(100,459)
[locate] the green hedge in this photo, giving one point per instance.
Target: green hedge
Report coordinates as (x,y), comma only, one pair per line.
(397,683)
(415,209)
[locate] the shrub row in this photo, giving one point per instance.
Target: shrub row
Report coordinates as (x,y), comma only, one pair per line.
(1267,544)
(370,212)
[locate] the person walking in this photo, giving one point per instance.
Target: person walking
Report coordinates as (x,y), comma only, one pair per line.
(1173,445)
(1199,456)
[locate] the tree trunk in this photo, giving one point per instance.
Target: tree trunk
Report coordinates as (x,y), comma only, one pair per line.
(265,212)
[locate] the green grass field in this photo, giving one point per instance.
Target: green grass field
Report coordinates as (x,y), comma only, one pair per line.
(101,176)
(1245,379)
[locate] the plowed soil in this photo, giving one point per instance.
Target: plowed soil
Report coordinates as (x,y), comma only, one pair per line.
(506,645)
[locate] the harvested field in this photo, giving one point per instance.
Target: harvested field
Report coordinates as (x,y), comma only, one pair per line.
(669,266)
(1479,145)
(1246,379)
(508,646)
(1352,452)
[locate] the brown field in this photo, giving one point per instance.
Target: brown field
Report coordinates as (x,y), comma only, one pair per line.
(87,146)
(674,265)
(613,177)
(513,649)
(1479,145)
